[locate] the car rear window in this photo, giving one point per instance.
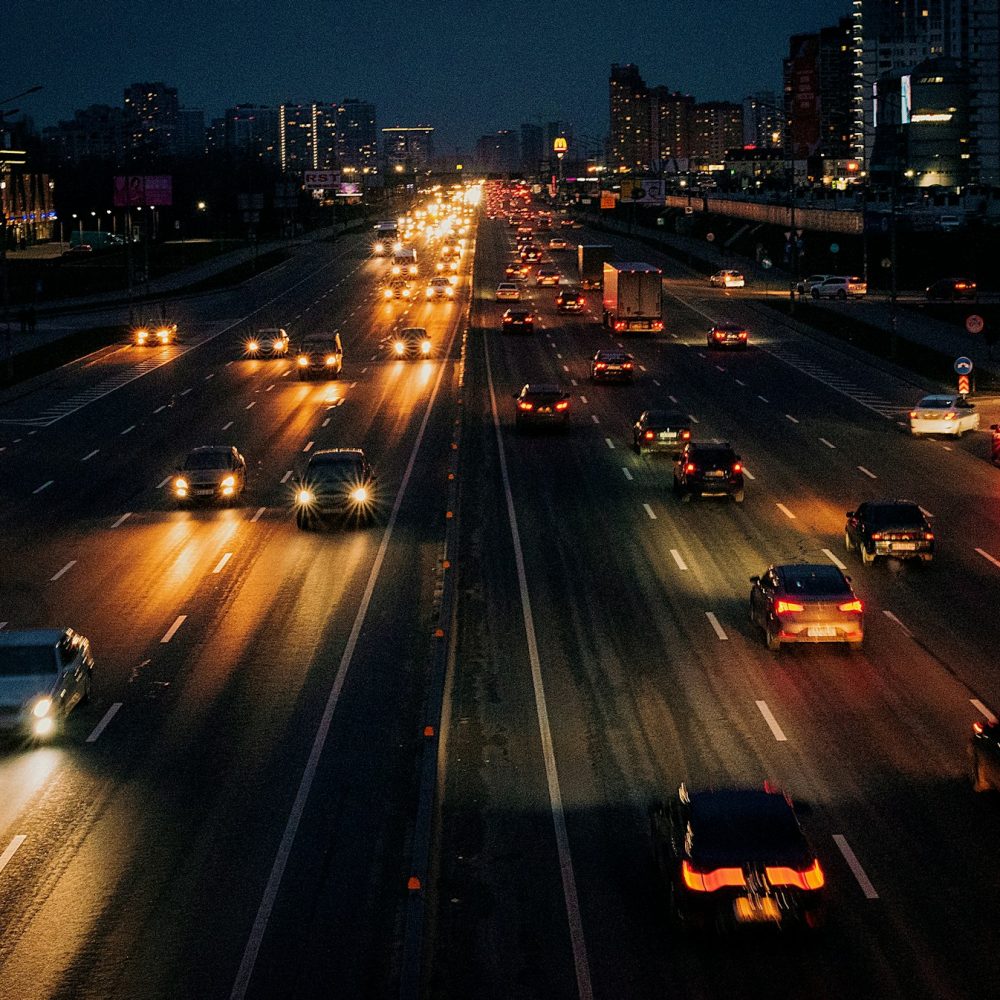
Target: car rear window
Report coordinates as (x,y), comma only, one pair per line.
(716,456)
(815,583)
(936,403)
(544,398)
(27,661)
(904,514)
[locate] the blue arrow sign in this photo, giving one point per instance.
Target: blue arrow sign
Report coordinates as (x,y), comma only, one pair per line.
(963,366)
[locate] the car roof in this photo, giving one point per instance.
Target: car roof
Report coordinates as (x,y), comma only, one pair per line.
(204,449)
(891,503)
(803,571)
(32,637)
(413,331)
(710,446)
(337,455)
(543,387)
(951,397)
(271,329)
(320,338)
(666,416)
(727,324)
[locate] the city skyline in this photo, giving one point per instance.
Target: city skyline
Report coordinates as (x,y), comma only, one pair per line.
(401,61)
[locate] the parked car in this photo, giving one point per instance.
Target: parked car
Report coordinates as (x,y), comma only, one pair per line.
(951,289)
(727,279)
(839,287)
(806,285)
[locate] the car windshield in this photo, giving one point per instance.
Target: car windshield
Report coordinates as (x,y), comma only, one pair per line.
(319,344)
(27,661)
(206,460)
(903,514)
(814,582)
(663,418)
(347,470)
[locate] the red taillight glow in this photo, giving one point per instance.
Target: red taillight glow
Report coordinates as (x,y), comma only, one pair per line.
(628,365)
(562,404)
(737,466)
(855,606)
(810,878)
(685,435)
(657,324)
(786,607)
(977,728)
(709,881)
(649,435)
(928,536)
(619,325)
(600,364)
(690,467)
(523,404)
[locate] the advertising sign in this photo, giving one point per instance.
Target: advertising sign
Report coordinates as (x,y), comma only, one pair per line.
(134,190)
(349,189)
(319,180)
(608,199)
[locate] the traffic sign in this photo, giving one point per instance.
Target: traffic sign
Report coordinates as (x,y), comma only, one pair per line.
(886,262)
(765,262)
(963,385)
(710,237)
(834,248)
(963,366)
(974,323)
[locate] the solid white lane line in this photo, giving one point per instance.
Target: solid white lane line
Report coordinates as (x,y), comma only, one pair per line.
(788,416)
(893,618)
(128,430)
(985,555)
(122,520)
(976,704)
(87,458)
(63,571)
(583,399)
(162,483)
(679,559)
(286,476)
(103,724)
(570,897)
(172,631)
(227,426)
(326,423)
(308,446)
(160,409)
(10,850)
(852,862)
(772,722)
(594,417)
(784,510)
(836,562)
(717,628)
(44,486)
(649,510)
(609,443)
(867,472)
(256,517)
(251,403)
(185,392)
(222,562)
(828,443)
(628,475)
(763,399)
(283,853)
(749,474)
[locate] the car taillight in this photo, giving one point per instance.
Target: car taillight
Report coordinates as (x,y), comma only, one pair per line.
(928,536)
(507,319)
(562,404)
(523,404)
(600,364)
(809,878)
(690,467)
(628,364)
(709,881)
(737,466)
(619,325)
(855,606)
(786,607)
(649,435)
(719,335)
(657,324)
(913,414)
(977,728)
(950,415)
(878,536)
(743,335)
(685,435)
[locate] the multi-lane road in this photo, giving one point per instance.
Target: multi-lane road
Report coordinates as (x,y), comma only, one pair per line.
(234,813)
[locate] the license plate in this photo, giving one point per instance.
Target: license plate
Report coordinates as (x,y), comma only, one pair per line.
(666,436)
(614,368)
(821,631)
(748,910)
(714,474)
(904,546)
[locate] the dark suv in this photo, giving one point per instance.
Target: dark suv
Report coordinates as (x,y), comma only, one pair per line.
(337,481)
(704,469)
(518,321)
(895,528)
(320,354)
(660,430)
(541,403)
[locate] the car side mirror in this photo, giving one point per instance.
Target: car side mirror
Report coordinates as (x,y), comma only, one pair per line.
(755,579)
(847,578)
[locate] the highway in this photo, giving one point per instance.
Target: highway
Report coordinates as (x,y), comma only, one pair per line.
(232,815)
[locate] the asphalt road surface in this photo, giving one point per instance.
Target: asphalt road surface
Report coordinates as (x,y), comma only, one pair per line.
(232,815)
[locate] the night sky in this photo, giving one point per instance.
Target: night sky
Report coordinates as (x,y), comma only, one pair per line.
(464,67)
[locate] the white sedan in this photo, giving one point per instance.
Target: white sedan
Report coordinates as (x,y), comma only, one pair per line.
(950,414)
(727,279)
(507,291)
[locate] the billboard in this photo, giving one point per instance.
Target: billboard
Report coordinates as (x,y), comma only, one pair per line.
(319,180)
(644,190)
(349,189)
(135,190)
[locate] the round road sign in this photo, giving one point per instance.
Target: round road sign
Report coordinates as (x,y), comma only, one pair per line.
(834,248)
(710,237)
(963,366)
(886,262)
(974,323)
(765,262)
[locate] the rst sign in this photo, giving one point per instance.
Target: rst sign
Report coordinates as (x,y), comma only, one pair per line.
(320,180)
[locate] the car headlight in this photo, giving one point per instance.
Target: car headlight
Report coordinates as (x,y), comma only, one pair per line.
(449,291)
(41,708)
(430,293)
(304,497)
(359,495)
(302,361)
(425,347)
(387,294)
(141,336)
(44,726)
(180,483)
(163,334)
(331,359)
(399,347)
(229,481)
(253,347)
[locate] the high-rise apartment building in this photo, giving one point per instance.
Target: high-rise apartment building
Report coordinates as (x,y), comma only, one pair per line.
(151,114)
(671,125)
(631,140)
(763,120)
(253,130)
(297,137)
(532,149)
(357,138)
(94,133)
(408,147)
(718,126)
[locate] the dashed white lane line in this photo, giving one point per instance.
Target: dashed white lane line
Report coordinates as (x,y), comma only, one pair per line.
(220,565)
(210,375)
(565,367)
(740,382)
(172,631)
(867,472)
(103,724)
(2,625)
(11,849)
(256,517)
(673,399)
(716,627)
(609,443)
(308,446)
(185,392)
(649,510)
(643,368)
(286,373)
(893,618)
(947,447)
(160,409)
(985,555)
(679,559)
(784,510)
(559,356)
(693,419)
(627,474)
(122,520)
(352,385)
(228,363)
(772,722)
(325,423)
(286,476)
(63,571)
(44,486)
(227,426)
(980,707)
(749,474)
(270,387)
(852,862)
(87,458)
(595,418)
(162,483)
(128,430)
(836,562)
(719,368)
(763,399)
(573,381)
(583,399)
(788,416)
(252,403)
(657,384)
(828,443)
(363,370)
